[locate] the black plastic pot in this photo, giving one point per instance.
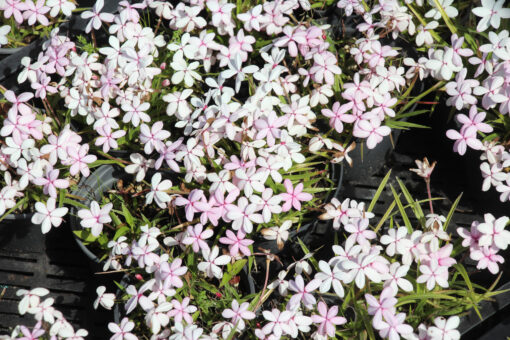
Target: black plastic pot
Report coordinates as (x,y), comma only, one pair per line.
(92,188)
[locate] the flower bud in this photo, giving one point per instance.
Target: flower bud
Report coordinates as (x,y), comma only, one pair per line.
(165,82)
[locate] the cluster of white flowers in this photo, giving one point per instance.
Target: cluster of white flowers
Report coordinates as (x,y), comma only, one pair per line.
(50,322)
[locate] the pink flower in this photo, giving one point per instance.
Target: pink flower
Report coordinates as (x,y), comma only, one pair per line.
(153,137)
(96,17)
(327,319)
(196,202)
(51,182)
(445,329)
(196,236)
(212,263)
(303,292)
(250,180)
(138,297)
(19,102)
(393,326)
(48,215)
(238,314)
(269,127)
(278,322)
(360,231)
(237,243)
(121,332)
(324,68)
(493,232)
(79,160)
(372,130)
(14,8)
(35,12)
(243,215)
(466,137)
(487,257)
(385,303)
(108,137)
(433,274)
(337,116)
(268,203)
(171,273)
(292,37)
(294,196)
(95,217)
(31,335)
(475,119)
(182,310)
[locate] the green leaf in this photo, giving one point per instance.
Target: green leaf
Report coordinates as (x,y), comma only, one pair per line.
(403,213)
(121,231)
(85,235)
(127,215)
(116,220)
(307,251)
(18,204)
(385,216)
(418,212)
(232,271)
(423,297)
(361,311)
(379,191)
(450,213)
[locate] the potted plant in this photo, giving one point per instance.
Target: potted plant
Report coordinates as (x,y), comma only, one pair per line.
(228,120)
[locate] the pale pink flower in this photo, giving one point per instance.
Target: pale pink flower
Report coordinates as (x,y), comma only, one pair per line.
(237,243)
(196,236)
(238,314)
(95,217)
(327,319)
(303,292)
(294,196)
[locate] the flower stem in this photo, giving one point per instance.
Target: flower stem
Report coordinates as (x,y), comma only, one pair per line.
(427,181)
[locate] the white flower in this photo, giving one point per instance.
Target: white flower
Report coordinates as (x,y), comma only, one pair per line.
(48,215)
(157,192)
(280,234)
(104,299)
(445,329)
(396,278)
(330,278)
(64,6)
(4,30)
(183,70)
(424,36)
(140,166)
(450,11)
(491,13)
(235,68)
(212,262)
(96,17)
(31,298)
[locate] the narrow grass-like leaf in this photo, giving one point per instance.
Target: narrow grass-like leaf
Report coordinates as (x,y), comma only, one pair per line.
(385,216)
(450,213)
(379,191)
(307,251)
(402,210)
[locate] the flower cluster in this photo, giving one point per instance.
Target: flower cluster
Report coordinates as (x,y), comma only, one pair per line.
(31,13)
(215,117)
(51,323)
